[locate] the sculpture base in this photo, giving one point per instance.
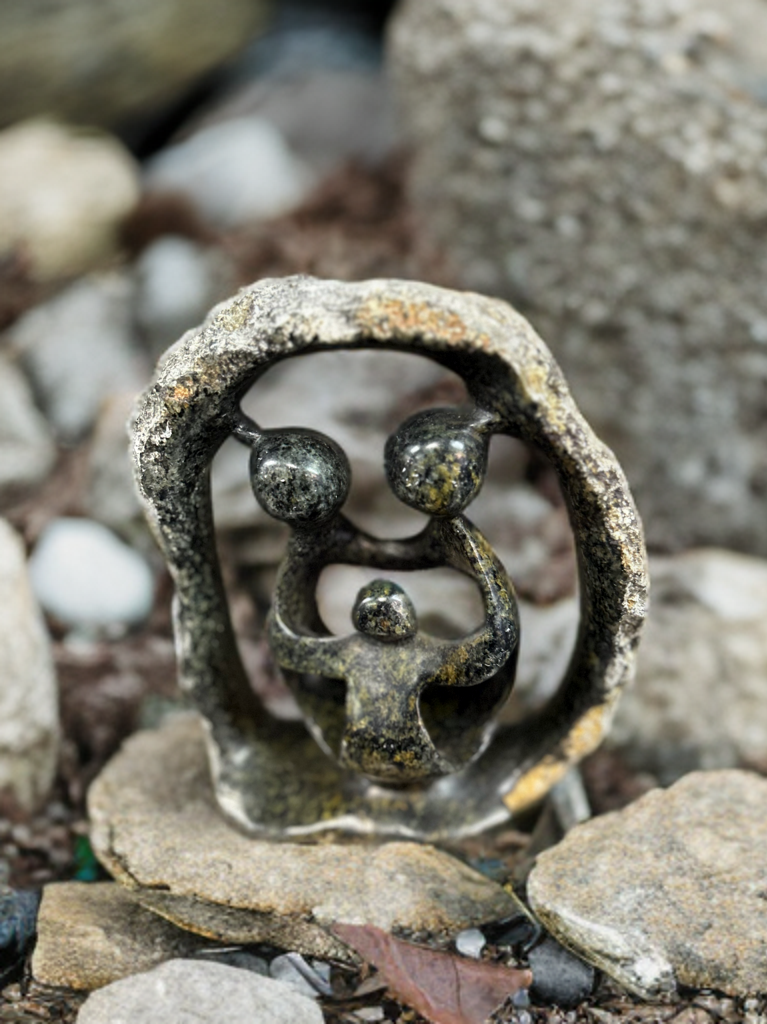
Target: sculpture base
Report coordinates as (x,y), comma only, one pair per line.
(281,784)
(155,825)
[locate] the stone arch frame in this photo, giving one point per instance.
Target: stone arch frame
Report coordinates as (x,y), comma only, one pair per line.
(190,408)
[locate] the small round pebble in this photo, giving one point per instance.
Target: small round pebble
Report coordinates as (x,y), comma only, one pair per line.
(175,286)
(559,977)
(470,942)
(86,577)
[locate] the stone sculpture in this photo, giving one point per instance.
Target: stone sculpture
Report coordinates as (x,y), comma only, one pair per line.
(399,734)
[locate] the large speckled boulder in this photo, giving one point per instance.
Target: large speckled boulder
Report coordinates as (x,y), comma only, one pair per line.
(96,61)
(604,166)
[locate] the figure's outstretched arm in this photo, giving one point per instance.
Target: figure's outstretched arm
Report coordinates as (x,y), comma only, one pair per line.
(479,656)
(321,655)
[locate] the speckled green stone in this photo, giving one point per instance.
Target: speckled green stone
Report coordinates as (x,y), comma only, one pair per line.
(436,461)
(299,476)
(383,609)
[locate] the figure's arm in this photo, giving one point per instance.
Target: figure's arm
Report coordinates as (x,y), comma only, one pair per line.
(321,655)
(479,656)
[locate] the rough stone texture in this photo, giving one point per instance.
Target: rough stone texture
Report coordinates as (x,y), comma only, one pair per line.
(95,62)
(198,992)
(604,166)
(192,406)
(63,192)
(27,451)
(29,722)
(90,934)
(698,700)
(155,824)
(670,890)
(79,348)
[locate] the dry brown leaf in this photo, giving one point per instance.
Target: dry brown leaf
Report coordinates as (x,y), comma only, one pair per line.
(444,988)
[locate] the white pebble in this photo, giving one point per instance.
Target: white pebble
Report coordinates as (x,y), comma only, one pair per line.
(470,942)
(88,578)
(176,281)
(235,171)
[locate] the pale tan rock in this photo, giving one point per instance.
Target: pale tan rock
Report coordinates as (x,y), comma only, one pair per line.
(670,891)
(29,720)
(156,826)
(91,934)
(63,195)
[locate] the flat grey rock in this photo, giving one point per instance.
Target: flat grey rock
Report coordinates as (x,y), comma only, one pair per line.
(29,722)
(90,934)
(670,891)
(156,826)
(602,165)
(27,451)
(79,348)
(198,992)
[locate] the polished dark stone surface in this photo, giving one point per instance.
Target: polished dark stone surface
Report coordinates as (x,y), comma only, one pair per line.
(299,476)
(436,461)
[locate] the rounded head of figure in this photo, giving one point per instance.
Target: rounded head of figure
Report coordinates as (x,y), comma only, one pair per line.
(436,461)
(299,476)
(384,611)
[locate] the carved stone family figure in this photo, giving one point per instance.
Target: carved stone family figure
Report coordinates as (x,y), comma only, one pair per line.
(399,734)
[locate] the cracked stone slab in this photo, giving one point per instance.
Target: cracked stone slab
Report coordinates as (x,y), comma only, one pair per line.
(156,826)
(109,935)
(670,891)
